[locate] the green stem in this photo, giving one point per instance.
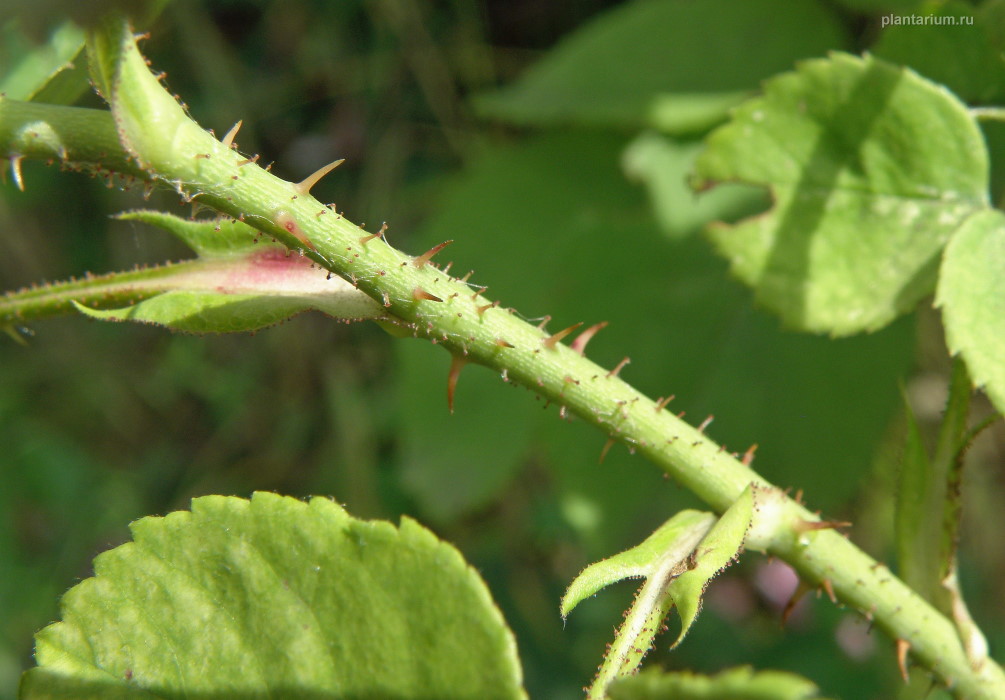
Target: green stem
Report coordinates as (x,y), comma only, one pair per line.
(171,148)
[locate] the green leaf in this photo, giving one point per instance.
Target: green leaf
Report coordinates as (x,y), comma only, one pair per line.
(865,198)
(663,165)
(52,72)
(717,550)
(976,72)
(672,542)
(733,684)
(676,64)
(972,297)
(276,598)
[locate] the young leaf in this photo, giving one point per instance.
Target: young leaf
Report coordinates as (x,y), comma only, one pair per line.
(235,285)
(673,541)
(717,550)
(865,197)
(972,297)
(52,72)
(274,597)
(676,65)
(733,684)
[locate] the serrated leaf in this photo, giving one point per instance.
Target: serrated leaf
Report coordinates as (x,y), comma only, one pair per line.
(865,198)
(715,552)
(741,683)
(663,165)
(676,64)
(274,597)
(972,297)
(674,540)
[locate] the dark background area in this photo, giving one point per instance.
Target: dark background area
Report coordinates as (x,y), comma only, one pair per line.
(103,424)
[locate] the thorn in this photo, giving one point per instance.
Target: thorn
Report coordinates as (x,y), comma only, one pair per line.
(418,294)
(829,589)
(748,456)
(248,161)
(228,140)
(456,365)
(486,307)
(304,186)
(662,403)
(903,646)
(705,423)
(614,372)
(15,171)
(543,323)
(579,344)
(387,300)
(428,255)
(797,595)
(607,448)
(552,340)
(802,526)
(504,344)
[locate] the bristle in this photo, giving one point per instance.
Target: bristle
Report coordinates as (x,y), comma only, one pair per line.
(304,186)
(486,307)
(662,403)
(614,372)
(428,255)
(705,423)
(748,456)
(456,365)
(802,526)
(228,140)
(551,341)
(607,448)
(543,323)
(419,294)
(579,344)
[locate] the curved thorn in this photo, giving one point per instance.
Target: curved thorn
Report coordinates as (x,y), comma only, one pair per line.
(829,589)
(903,646)
(801,589)
(228,140)
(551,341)
(305,185)
(482,309)
(579,344)
(15,171)
(748,456)
(456,365)
(504,344)
(428,255)
(802,526)
(419,294)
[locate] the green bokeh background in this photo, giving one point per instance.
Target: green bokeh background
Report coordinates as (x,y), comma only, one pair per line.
(538,185)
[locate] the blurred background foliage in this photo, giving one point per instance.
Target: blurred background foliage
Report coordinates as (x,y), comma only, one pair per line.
(551,140)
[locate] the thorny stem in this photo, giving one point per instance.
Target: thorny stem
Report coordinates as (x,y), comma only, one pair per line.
(160,140)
